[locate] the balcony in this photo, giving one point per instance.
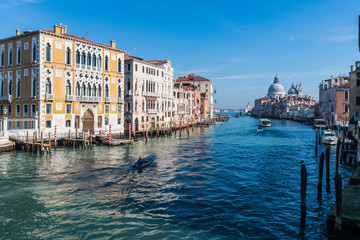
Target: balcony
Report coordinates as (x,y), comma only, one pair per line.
(107,99)
(78,98)
(49,97)
(120,100)
(137,92)
(69,98)
(96,99)
(85,98)
(6,98)
(151,110)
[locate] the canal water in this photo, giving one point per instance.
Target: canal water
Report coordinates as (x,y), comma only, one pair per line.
(223,182)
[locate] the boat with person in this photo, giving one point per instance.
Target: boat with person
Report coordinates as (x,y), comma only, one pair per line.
(143,162)
(260,128)
(329,138)
(265,122)
(237,115)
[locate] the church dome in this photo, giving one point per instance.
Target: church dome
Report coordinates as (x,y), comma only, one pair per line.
(276,90)
(293,91)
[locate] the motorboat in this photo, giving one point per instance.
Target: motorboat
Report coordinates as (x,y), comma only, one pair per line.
(260,128)
(329,137)
(265,123)
(145,162)
(237,115)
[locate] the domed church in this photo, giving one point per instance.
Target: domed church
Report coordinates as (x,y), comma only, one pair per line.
(276,90)
(295,91)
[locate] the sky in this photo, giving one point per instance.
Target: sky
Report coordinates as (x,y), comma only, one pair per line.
(239,45)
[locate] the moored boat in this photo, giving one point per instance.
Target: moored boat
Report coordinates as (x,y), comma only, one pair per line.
(329,138)
(237,115)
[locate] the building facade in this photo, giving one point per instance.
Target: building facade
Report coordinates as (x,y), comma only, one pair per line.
(334,100)
(148,93)
(355,92)
(50,78)
(205,86)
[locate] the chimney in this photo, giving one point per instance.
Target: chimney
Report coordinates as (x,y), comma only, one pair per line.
(351,68)
(112,43)
(17,32)
(60,29)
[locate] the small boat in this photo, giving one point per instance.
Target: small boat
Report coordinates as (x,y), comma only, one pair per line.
(146,162)
(237,115)
(265,123)
(329,138)
(260,128)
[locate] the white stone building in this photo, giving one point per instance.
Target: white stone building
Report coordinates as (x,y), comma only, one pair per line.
(148,93)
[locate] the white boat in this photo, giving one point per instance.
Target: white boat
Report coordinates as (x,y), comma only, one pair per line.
(329,138)
(260,128)
(265,123)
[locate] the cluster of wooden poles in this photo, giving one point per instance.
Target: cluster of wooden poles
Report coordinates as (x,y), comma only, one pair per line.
(340,156)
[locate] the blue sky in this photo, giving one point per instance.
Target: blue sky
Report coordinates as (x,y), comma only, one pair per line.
(240,45)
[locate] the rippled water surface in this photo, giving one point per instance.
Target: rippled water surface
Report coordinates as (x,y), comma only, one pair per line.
(223,182)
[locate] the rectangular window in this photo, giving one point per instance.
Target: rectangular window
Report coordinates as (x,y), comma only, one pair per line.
(48,124)
(25,109)
(99,122)
(107,109)
(346,95)
(33,110)
(357,101)
(77,121)
(119,121)
(119,109)
(17,110)
(9,110)
(48,108)
(129,67)
(358,82)
(135,67)
(68,108)
(143,69)
(68,123)
(346,108)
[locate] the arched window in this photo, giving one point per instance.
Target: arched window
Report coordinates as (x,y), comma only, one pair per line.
(94,60)
(99,61)
(119,65)
(2,88)
(77,57)
(68,55)
(99,90)
(48,86)
(68,87)
(10,87)
(106,63)
(48,52)
(107,91)
(94,90)
(89,90)
(83,90)
(33,87)
(18,88)
(119,91)
(19,56)
(135,105)
(2,58)
(89,59)
(10,56)
(77,90)
(34,53)
(143,105)
(83,58)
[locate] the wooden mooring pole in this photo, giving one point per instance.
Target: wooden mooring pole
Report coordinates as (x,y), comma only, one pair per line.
(338,205)
(316,144)
(337,157)
(320,177)
(303,197)
(327,166)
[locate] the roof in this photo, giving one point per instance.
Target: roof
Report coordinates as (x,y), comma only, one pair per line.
(128,57)
(81,38)
(345,85)
(157,61)
(191,77)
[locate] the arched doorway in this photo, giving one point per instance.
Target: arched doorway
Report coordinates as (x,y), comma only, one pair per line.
(88,124)
(136,124)
(152,122)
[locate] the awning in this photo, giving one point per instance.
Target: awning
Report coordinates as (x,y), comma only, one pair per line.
(150,98)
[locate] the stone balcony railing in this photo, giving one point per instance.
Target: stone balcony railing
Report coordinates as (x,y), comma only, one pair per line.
(107,99)
(120,100)
(6,98)
(49,97)
(151,110)
(69,98)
